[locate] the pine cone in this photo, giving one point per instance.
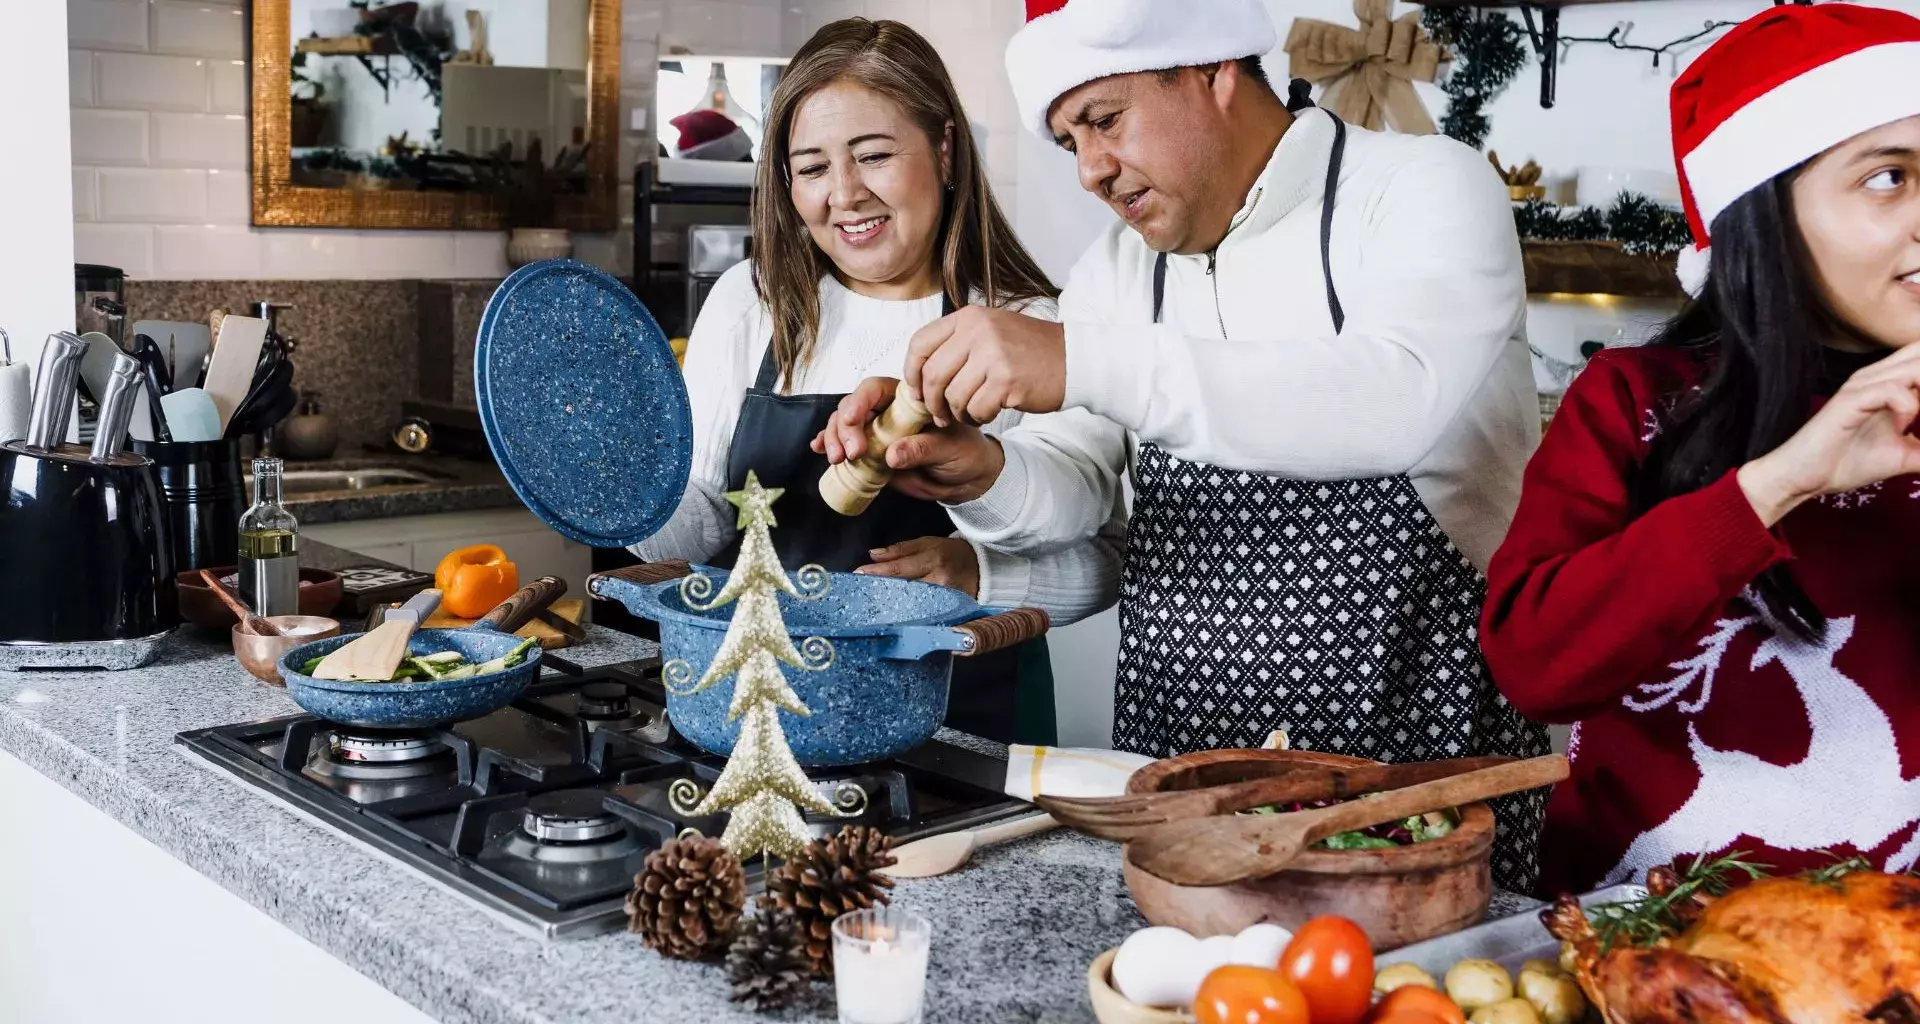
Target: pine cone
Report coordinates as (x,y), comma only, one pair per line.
(687,899)
(829,878)
(768,963)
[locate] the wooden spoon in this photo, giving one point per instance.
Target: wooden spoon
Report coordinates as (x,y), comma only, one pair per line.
(248,621)
(1231,848)
(942,854)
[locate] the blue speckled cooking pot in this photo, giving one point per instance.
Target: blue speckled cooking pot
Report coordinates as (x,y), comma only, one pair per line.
(884,691)
(428,704)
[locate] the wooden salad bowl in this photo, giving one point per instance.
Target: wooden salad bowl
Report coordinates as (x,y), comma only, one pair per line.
(1399,896)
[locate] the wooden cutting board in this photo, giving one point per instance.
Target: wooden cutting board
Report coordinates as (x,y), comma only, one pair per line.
(568,608)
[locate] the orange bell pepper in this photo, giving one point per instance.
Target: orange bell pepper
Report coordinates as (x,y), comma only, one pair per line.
(473,580)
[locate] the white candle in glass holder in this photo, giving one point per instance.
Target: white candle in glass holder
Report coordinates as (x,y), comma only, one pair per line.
(880,965)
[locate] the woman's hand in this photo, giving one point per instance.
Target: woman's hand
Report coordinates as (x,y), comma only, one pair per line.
(1858,437)
(948,561)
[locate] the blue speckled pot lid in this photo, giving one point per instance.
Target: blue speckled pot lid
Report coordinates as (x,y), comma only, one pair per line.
(582,403)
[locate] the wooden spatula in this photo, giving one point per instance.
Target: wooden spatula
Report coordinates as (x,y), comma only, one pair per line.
(950,851)
(1231,848)
(375,655)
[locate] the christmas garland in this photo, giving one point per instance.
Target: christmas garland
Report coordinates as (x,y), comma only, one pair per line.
(1640,225)
(1487,54)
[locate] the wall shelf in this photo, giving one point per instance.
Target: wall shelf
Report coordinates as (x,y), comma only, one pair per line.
(1598,268)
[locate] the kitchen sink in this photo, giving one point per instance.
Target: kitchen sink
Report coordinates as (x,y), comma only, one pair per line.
(321,481)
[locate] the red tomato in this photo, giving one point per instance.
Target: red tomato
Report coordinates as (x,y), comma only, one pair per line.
(1415,999)
(1331,962)
(1237,994)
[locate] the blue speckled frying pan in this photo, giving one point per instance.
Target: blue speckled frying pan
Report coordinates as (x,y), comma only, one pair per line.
(423,705)
(583,403)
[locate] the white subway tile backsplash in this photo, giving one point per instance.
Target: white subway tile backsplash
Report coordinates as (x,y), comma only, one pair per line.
(83,204)
(145,81)
(200,140)
(107,24)
(198,27)
(153,194)
(229,90)
(109,136)
(127,246)
(400,254)
(206,252)
(79,78)
(316,254)
(229,197)
(479,254)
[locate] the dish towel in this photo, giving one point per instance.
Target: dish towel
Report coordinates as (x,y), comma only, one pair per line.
(1069,771)
(1081,771)
(16,399)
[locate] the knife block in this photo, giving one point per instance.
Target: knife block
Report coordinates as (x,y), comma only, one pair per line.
(849,487)
(85,557)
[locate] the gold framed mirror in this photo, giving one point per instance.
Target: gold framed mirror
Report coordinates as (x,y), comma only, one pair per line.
(423,114)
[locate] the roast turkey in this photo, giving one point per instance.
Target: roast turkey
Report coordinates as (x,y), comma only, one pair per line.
(1807,950)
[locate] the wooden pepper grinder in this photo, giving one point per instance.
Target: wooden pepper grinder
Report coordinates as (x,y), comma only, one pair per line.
(849,487)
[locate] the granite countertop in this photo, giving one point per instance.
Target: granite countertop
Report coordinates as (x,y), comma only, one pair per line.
(459,485)
(1014,931)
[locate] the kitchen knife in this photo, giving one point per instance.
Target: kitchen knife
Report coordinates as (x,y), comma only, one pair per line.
(116,407)
(564,626)
(54,390)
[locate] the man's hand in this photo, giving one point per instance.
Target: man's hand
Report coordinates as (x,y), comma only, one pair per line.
(969,365)
(948,561)
(954,464)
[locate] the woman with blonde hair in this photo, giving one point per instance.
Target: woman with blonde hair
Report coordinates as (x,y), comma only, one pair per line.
(872,217)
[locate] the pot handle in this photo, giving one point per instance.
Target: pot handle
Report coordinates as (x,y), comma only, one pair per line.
(645,574)
(528,601)
(969,639)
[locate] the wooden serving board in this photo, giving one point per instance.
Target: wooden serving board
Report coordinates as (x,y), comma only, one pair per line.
(568,608)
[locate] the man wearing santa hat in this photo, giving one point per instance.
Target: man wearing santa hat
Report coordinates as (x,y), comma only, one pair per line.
(1306,341)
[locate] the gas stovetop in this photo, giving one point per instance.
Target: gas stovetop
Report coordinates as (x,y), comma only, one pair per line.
(544,810)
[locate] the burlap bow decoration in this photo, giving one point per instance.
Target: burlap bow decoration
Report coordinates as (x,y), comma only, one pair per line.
(1367,73)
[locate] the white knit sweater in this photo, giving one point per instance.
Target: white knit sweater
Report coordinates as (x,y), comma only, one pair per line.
(860,337)
(1429,378)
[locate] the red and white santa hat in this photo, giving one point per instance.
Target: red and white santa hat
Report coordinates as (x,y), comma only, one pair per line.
(1783,87)
(710,135)
(1067,43)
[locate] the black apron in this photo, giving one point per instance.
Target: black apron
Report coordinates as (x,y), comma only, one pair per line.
(1006,695)
(1336,610)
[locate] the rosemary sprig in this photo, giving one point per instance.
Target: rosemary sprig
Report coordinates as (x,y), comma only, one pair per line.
(1645,921)
(1839,869)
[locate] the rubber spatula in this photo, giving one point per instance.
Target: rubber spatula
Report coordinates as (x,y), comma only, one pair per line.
(377,653)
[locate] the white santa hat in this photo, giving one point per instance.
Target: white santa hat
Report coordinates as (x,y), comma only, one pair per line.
(1780,89)
(1067,43)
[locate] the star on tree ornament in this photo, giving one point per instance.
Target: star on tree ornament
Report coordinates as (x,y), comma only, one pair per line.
(755,502)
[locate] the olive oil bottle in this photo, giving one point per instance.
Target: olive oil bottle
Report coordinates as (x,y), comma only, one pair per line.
(269,544)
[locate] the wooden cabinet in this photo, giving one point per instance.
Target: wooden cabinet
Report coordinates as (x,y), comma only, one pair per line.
(419,542)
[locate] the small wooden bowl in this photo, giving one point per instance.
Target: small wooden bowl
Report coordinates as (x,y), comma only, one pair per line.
(203,608)
(1110,1007)
(1399,896)
(260,655)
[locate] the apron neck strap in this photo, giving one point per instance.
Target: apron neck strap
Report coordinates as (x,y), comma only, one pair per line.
(1326,220)
(770,369)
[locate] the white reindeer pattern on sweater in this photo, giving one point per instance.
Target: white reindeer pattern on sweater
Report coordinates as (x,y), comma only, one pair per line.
(1847,791)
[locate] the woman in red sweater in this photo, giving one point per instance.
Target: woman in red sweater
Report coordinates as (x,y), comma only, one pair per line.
(1715,568)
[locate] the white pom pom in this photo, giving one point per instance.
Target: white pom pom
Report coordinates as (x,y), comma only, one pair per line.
(1692,270)
(1109,23)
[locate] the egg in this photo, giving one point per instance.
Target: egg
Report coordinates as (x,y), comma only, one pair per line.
(1152,967)
(1260,945)
(1215,951)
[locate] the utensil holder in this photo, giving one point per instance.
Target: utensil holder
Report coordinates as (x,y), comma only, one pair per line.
(203,492)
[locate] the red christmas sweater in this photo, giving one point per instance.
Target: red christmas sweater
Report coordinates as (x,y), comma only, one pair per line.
(1697,727)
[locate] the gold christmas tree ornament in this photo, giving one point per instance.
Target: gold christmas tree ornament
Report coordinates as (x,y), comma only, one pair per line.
(762,786)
